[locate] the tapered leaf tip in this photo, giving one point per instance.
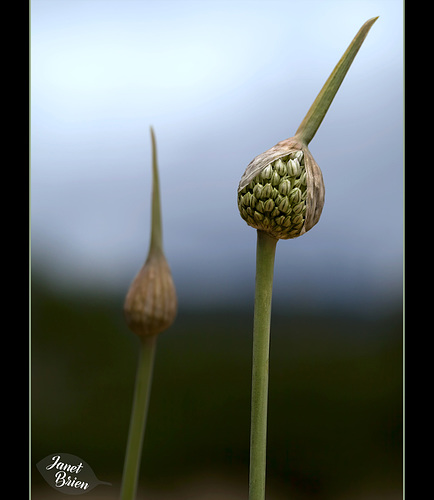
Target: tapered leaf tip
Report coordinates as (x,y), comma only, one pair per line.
(371,21)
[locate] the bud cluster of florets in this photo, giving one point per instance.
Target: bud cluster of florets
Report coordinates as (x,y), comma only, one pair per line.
(275,200)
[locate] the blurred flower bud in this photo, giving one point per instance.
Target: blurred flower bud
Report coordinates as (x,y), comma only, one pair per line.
(151,304)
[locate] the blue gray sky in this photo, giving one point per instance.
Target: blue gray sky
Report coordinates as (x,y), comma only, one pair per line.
(220,82)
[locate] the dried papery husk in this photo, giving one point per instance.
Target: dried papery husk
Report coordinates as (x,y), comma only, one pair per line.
(151,304)
(313,194)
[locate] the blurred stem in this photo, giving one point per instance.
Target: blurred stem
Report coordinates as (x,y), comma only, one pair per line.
(320,106)
(265,253)
(138,416)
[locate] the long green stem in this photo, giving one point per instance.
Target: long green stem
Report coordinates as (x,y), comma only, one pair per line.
(265,253)
(138,417)
(318,110)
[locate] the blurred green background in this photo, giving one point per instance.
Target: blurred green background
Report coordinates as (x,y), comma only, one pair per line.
(335,401)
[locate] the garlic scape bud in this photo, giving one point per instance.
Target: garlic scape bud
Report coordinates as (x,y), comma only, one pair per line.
(282,190)
(151,304)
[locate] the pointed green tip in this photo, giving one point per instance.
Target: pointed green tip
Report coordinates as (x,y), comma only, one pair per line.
(320,106)
(153,142)
(369,23)
(156,229)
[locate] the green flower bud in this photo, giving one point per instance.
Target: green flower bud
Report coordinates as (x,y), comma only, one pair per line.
(275,178)
(298,155)
(252,201)
(246,199)
(266,173)
(297,219)
(258,216)
(257,191)
(269,205)
(280,167)
(298,209)
(266,221)
(285,205)
(267,192)
(275,213)
(294,168)
(275,194)
(287,221)
(260,206)
(285,187)
(293,196)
